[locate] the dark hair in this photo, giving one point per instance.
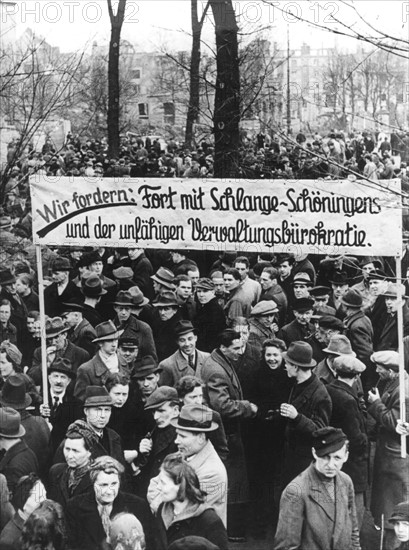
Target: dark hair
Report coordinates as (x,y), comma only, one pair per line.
(22,490)
(45,528)
(272,271)
(187,384)
(177,280)
(115,378)
(242,260)
(276,342)
(183,474)
(232,271)
(228,336)
(33,315)
(6,303)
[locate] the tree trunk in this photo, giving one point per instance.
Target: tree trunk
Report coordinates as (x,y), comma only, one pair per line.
(193,109)
(113,78)
(227,100)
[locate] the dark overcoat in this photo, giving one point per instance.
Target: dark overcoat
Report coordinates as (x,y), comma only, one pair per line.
(57,487)
(18,461)
(209,324)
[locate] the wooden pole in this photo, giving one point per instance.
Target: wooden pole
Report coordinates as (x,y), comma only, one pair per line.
(402,396)
(42,322)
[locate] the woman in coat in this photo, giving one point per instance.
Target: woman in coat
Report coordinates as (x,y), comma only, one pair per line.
(183,511)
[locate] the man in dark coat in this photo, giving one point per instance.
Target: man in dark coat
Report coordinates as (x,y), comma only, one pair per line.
(167,315)
(388,335)
(349,415)
(308,409)
(62,289)
(142,270)
(224,395)
(18,459)
(301,328)
(88,516)
(37,434)
(81,332)
(210,320)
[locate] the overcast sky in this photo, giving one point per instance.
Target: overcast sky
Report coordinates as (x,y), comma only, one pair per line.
(155,24)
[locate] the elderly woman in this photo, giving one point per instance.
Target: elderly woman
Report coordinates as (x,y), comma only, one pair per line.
(391,471)
(89,516)
(183,511)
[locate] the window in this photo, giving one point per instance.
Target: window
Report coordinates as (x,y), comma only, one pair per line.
(169,113)
(143,110)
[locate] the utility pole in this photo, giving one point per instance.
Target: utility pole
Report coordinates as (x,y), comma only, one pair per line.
(288,83)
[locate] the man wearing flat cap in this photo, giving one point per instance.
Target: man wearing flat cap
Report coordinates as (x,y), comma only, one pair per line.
(166,316)
(210,320)
(391,471)
(317,509)
(400,522)
(106,360)
(308,409)
(263,323)
(301,328)
(186,360)
(349,414)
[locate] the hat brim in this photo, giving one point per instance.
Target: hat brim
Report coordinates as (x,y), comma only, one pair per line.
(20,433)
(163,304)
(348,304)
(337,353)
(170,286)
(398,517)
(52,333)
(156,405)
(8,281)
(17,406)
(138,375)
(310,365)
(183,332)
(99,404)
(212,427)
(62,371)
(144,302)
(90,294)
(113,336)
(128,304)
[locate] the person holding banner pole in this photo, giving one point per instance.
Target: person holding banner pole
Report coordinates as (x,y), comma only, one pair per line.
(44,372)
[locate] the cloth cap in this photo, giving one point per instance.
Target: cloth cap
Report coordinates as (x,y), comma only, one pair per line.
(331,322)
(183,327)
(205,284)
(352,298)
(348,364)
(160,396)
(339,345)
(300,354)
(72,305)
(393,289)
(10,423)
(91,258)
(12,351)
(195,418)
(132,343)
(166,299)
(54,327)
(107,331)
(400,512)
(328,440)
(320,291)
(14,393)
(63,365)
(123,273)
(303,304)
(387,359)
(61,264)
(97,396)
(264,308)
(146,366)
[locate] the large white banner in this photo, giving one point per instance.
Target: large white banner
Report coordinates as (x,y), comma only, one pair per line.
(315,217)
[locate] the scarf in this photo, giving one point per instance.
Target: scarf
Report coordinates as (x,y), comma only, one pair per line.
(75,476)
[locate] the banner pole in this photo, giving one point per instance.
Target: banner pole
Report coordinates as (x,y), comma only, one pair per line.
(402,396)
(44,372)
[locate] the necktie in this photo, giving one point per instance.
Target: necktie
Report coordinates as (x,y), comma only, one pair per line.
(192,361)
(56,403)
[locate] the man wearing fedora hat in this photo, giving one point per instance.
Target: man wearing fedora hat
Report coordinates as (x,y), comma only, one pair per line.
(56,337)
(301,328)
(94,371)
(167,315)
(17,459)
(142,270)
(210,320)
(92,290)
(308,409)
(394,297)
(391,471)
(93,261)
(184,361)
(162,281)
(81,333)
(317,509)
(62,289)
(358,327)
(37,434)
(130,325)
(64,408)
(339,284)
(193,426)
(349,414)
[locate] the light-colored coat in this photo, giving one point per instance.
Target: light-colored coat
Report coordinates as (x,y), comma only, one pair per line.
(176,366)
(307,520)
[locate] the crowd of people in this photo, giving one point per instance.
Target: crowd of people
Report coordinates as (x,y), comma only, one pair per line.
(197,400)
